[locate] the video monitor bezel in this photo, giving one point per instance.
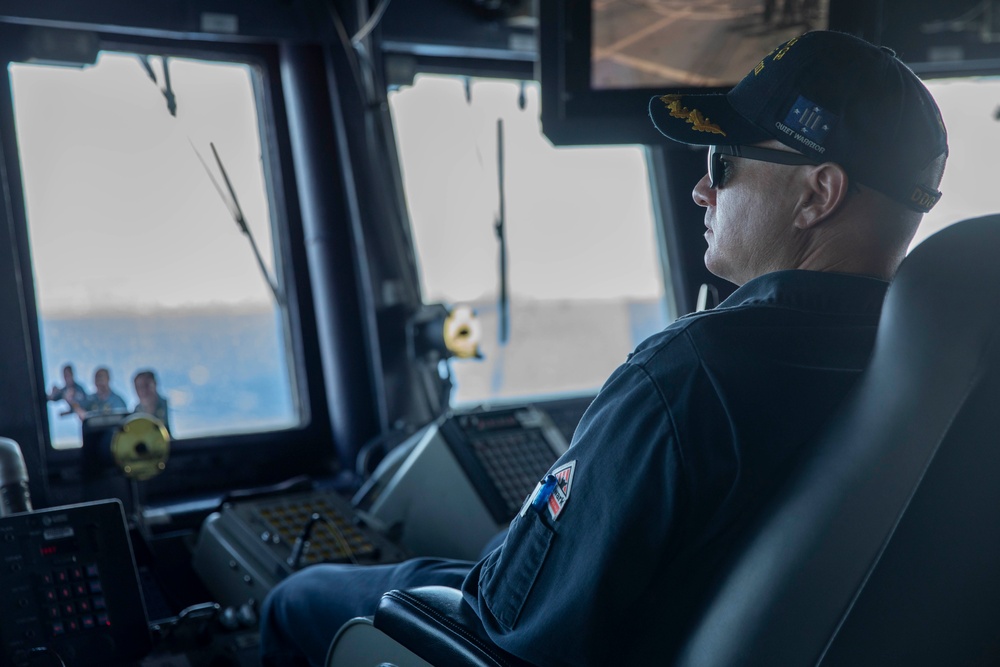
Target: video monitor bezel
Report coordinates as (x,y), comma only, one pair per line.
(575,113)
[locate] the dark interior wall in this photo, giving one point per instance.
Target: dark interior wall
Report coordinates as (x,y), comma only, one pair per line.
(22,417)
(929,34)
(432,27)
(196,19)
(457,28)
(462,28)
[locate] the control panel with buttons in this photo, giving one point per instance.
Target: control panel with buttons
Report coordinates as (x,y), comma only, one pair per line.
(70,587)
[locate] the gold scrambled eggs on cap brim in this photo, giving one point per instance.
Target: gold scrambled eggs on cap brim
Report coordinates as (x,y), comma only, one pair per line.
(702,120)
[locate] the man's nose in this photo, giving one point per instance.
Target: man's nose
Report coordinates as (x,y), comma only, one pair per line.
(702,194)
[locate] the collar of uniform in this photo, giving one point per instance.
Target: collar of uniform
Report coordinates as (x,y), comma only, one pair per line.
(812,290)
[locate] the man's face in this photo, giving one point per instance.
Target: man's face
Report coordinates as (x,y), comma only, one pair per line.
(748,224)
(68,375)
(101,380)
(145,387)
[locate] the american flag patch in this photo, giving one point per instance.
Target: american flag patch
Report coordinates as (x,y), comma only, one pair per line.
(557,501)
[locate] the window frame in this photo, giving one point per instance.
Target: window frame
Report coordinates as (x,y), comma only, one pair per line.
(262,457)
(664,275)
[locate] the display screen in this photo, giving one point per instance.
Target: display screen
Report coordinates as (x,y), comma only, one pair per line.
(601,61)
(700,43)
(59,547)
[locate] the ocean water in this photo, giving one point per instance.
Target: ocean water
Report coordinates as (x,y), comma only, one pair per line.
(222,371)
(226,371)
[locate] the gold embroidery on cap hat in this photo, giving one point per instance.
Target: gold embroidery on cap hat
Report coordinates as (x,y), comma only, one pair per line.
(779,50)
(923,198)
(693,116)
(784,50)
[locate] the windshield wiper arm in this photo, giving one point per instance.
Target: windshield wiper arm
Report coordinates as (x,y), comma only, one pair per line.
(233,204)
(503,301)
(167,90)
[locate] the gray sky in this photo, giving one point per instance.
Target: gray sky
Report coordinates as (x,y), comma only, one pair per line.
(121,213)
(579,223)
(969,187)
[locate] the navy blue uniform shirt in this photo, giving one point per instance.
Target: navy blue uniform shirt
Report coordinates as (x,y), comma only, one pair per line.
(698,425)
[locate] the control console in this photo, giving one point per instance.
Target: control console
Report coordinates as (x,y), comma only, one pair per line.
(70,589)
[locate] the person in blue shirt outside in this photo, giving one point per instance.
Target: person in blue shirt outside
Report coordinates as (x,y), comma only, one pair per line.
(150,401)
(71,391)
(103,401)
(821,163)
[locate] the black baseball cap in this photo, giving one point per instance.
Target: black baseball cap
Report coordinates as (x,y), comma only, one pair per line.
(833,97)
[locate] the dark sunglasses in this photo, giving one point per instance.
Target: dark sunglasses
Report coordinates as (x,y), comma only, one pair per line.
(717,166)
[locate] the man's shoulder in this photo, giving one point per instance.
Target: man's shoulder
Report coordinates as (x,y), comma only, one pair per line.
(779,299)
(681,337)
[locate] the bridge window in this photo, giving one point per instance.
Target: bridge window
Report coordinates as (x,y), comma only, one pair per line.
(970,108)
(584,282)
(138,262)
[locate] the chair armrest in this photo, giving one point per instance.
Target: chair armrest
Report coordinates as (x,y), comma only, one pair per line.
(436,623)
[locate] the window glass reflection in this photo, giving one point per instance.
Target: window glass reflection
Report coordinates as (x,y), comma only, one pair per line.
(585,284)
(145,285)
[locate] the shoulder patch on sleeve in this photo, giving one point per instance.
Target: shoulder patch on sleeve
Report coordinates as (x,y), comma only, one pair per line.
(564,476)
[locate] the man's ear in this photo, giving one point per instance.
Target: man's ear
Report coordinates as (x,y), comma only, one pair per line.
(826,188)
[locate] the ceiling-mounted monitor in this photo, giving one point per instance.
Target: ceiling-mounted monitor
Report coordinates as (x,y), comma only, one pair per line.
(944,39)
(602,60)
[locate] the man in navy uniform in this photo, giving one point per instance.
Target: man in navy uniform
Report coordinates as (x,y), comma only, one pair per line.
(71,391)
(821,163)
(104,400)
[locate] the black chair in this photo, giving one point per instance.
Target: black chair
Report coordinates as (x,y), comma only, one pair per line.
(883,548)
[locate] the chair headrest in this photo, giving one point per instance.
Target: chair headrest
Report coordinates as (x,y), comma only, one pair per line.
(945,291)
